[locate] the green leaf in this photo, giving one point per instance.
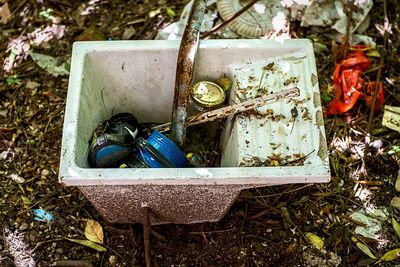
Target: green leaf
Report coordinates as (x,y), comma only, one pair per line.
(88,243)
(170,12)
(373,53)
(364,248)
(50,64)
(154,13)
(12,80)
(396,226)
(390,255)
(94,231)
(315,240)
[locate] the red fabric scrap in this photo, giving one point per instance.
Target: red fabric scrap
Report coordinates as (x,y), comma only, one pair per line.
(348,84)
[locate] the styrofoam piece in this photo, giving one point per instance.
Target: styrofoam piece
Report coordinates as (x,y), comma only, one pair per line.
(282,132)
(139,77)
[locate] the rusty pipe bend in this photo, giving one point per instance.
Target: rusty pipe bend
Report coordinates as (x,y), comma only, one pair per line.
(184,71)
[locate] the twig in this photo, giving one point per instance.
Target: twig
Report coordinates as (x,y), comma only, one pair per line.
(231,18)
(242,226)
(288,192)
(349,14)
(213,232)
(146,234)
(45,242)
(378,78)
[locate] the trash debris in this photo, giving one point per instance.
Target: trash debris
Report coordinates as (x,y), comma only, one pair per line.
(262,18)
(234,109)
(370,222)
(158,151)
(121,142)
(42,215)
(113,140)
(391,117)
(50,64)
(175,30)
(205,95)
(348,84)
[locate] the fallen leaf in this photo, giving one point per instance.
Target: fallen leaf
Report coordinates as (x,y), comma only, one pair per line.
(91,34)
(5,13)
(26,202)
(396,226)
(390,255)
(94,231)
(88,243)
(224,83)
(170,12)
(365,249)
(50,64)
(315,240)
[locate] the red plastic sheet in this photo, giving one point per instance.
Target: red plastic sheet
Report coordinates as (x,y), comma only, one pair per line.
(349,86)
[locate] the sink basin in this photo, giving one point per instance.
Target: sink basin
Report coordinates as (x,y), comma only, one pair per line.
(139,77)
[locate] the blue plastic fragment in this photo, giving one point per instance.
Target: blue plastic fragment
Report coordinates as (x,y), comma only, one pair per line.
(42,215)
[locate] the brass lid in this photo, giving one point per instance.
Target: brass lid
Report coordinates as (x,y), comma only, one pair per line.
(208,94)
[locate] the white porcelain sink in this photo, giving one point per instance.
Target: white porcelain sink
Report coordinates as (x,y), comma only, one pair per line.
(139,76)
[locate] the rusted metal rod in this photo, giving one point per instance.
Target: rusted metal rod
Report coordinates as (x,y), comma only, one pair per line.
(184,70)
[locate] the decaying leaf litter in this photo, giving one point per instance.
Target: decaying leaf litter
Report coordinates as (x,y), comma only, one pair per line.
(352,221)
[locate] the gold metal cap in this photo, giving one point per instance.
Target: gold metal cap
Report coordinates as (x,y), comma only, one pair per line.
(208,94)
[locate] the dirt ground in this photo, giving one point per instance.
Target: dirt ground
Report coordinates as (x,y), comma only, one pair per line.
(264,227)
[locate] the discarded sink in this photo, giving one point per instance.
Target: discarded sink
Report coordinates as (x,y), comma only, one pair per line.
(139,77)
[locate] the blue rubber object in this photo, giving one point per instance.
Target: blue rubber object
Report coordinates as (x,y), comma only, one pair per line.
(168,149)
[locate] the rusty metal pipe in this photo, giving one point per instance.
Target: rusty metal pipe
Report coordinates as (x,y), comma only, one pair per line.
(184,70)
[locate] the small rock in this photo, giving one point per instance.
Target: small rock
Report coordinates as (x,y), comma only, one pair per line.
(395,203)
(59,251)
(128,33)
(112,260)
(23,226)
(398,182)
(31,85)
(45,172)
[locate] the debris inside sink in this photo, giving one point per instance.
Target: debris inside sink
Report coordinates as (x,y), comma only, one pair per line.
(258,111)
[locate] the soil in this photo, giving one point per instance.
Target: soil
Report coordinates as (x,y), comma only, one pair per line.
(264,227)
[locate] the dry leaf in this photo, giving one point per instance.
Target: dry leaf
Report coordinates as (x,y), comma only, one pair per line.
(88,243)
(364,248)
(94,231)
(5,13)
(315,240)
